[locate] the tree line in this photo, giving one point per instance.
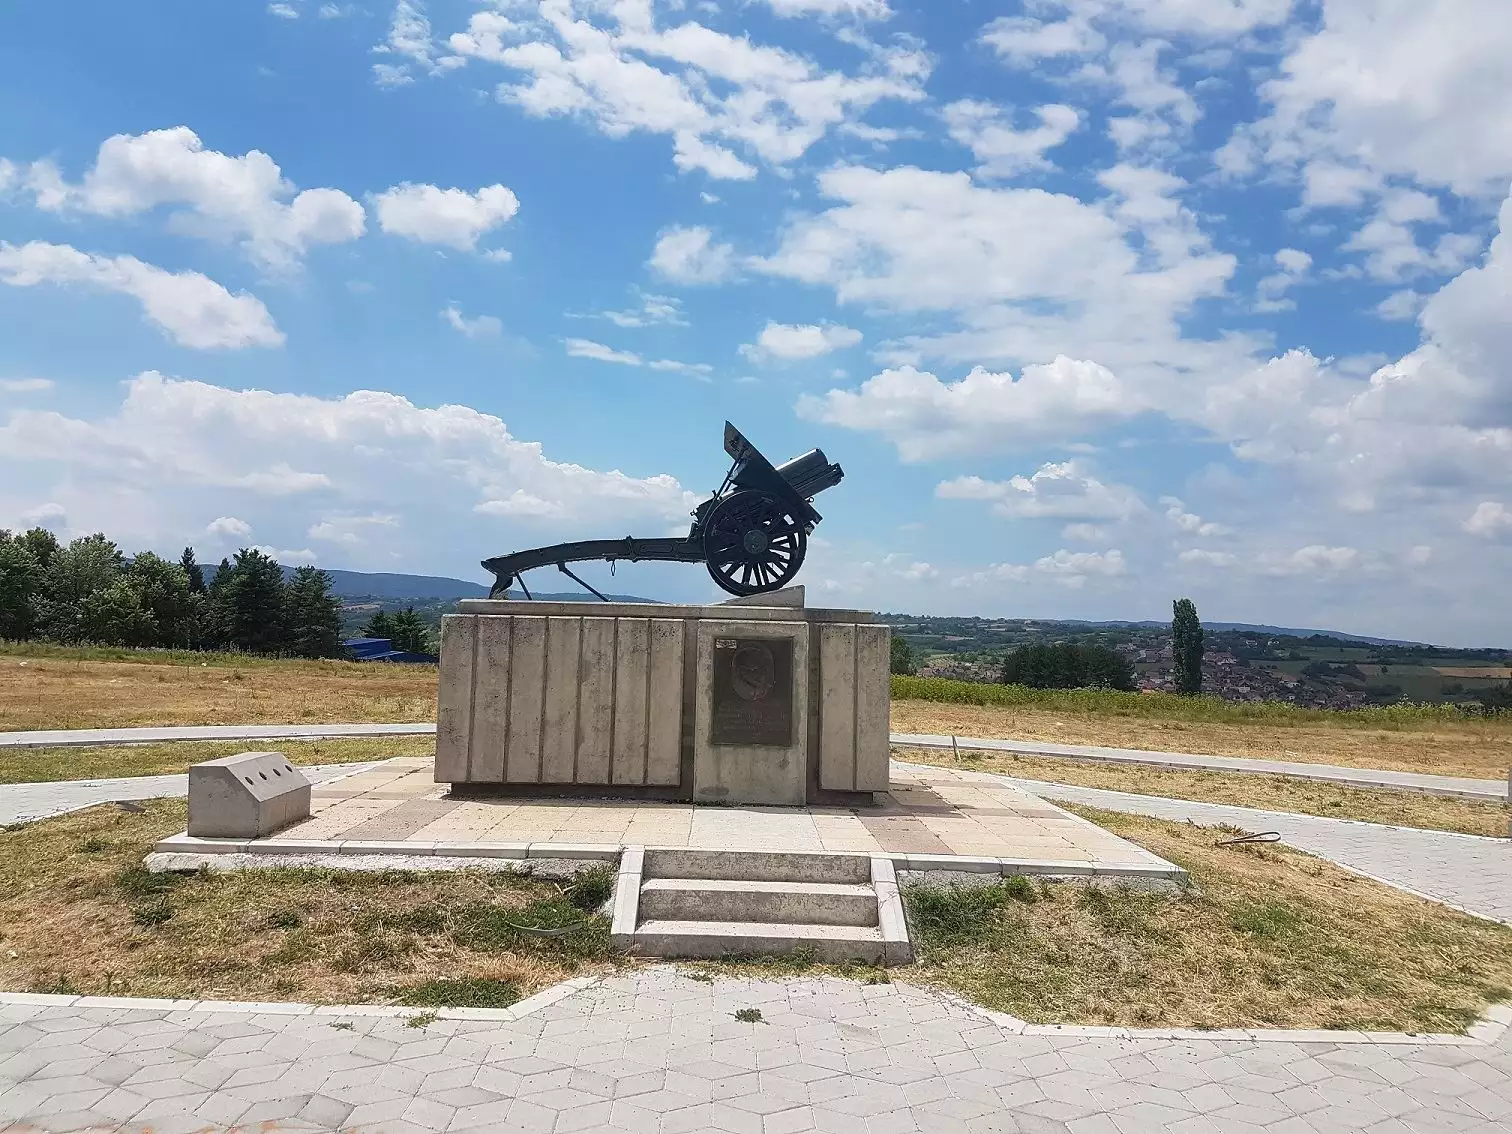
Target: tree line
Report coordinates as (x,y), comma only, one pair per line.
(87,591)
(1074,665)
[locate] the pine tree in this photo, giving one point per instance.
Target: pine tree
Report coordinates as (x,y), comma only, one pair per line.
(408,631)
(379,626)
(193,571)
(1186,646)
(20,583)
(164,590)
(312,615)
(249,596)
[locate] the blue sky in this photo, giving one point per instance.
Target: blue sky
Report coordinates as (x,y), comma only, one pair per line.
(1099,302)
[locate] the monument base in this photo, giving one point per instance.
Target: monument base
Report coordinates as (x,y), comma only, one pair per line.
(734,703)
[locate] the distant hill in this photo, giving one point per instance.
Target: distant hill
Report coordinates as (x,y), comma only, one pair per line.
(388,587)
(1253,628)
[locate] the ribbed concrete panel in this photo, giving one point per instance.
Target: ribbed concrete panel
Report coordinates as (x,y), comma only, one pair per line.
(664,700)
(491,680)
(595,701)
(527,686)
(873,700)
(837,707)
(559,732)
(632,665)
(454,697)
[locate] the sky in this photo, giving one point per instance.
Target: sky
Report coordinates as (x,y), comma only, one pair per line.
(1099,303)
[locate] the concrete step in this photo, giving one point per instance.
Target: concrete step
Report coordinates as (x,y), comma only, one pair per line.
(719,899)
(757,866)
(712,939)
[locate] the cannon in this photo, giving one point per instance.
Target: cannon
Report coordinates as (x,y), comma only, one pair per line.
(752,534)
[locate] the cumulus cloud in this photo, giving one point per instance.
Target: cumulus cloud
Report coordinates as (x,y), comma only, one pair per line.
(1189,522)
(411,46)
(692,256)
(587,348)
(865,9)
(1203,557)
(788,342)
(25,385)
(1490,520)
(1064,491)
(245,198)
(478,327)
(722,100)
(193,309)
(1067,568)
(654,310)
(1291,268)
(229,526)
(174,450)
(453,218)
(1001,148)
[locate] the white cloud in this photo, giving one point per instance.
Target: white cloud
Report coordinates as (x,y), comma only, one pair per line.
(654,310)
(587,348)
(1398,89)
(174,451)
(193,309)
(1190,522)
(409,39)
(788,342)
(691,256)
(453,218)
(1315,559)
(480,327)
(1086,533)
(25,385)
(229,526)
(864,9)
(1400,306)
(1065,491)
(303,557)
(1074,568)
(926,418)
(1291,268)
(1205,558)
(1001,149)
(1490,520)
(710,93)
(284,11)
(50,515)
(244,198)
(349,530)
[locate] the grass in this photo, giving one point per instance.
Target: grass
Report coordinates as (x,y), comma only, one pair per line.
(1272,793)
(1264,937)
(78,911)
(52,687)
(1439,745)
(45,765)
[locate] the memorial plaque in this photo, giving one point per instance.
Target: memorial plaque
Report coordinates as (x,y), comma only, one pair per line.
(753,692)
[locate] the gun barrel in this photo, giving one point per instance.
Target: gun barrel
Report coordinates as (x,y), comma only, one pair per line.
(811,473)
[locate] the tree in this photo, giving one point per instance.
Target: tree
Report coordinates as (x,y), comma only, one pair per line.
(193,571)
(41,543)
(20,584)
(249,597)
(115,617)
(1186,646)
(379,626)
(312,615)
(88,565)
(1067,665)
(408,631)
(903,660)
(164,591)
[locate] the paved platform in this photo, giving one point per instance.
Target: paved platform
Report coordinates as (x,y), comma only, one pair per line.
(930,811)
(1330,773)
(652,1052)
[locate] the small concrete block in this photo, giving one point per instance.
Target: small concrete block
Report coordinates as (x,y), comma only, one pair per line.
(383,846)
(1046,866)
(246,796)
(298,846)
(960,862)
(488,850)
(185,843)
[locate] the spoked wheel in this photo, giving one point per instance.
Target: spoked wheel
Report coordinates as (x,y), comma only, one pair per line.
(753,543)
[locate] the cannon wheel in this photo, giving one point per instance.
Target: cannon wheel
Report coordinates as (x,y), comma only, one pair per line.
(753,542)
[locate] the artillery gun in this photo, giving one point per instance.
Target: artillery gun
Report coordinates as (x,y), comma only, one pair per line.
(752,534)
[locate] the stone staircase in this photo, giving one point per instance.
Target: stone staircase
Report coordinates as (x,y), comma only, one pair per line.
(707,904)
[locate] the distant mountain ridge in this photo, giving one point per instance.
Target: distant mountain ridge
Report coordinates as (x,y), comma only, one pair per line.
(391,586)
(1254,628)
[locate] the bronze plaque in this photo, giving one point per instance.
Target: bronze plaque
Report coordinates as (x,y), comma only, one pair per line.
(753,692)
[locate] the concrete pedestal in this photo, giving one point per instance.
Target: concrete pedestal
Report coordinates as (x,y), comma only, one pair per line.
(629,699)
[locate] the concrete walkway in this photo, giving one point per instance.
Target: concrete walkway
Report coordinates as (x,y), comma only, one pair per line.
(1467,872)
(1329,773)
(652,1052)
(23,803)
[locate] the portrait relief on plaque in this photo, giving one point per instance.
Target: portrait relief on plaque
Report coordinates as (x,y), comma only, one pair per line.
(753,691)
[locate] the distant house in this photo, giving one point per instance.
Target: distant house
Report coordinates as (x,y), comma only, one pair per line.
(382,649)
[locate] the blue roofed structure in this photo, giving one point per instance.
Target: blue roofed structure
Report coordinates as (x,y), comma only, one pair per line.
(382,649)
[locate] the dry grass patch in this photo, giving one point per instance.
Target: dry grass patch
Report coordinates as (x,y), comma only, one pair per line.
(38,692)
(1265,937)
(1239,789)
(79,913)
(46,765)
(1477,748)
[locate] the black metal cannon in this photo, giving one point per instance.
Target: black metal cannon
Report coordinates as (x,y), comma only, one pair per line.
(752,534)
